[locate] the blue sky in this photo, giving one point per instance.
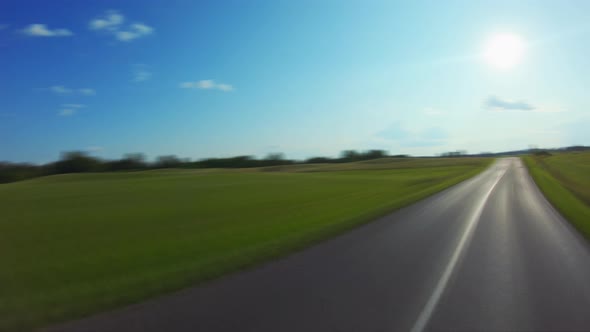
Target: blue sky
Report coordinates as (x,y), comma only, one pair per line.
(221,78)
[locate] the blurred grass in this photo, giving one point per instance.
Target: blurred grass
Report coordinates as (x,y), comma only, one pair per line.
(76,244)
(564,178)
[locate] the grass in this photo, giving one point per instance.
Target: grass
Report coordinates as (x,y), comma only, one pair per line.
(76,244)
(564,178)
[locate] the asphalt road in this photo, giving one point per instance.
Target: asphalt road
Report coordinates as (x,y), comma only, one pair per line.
(489,254)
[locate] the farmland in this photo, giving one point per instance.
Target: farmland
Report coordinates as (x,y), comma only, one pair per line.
(564,178)
(76,244)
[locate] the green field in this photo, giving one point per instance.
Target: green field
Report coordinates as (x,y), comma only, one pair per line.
(80,243)
(564,178)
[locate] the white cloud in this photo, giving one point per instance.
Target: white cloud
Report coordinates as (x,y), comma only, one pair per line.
(113,23)
(41,30)
(225,87)
(140,73)
(134,31)
(207,85)
(111,20)
(125,35)
(142,28)
(62,90)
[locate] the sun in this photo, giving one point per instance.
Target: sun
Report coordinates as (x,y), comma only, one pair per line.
(504,51)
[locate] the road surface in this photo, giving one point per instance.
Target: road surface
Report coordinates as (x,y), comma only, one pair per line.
(488,254)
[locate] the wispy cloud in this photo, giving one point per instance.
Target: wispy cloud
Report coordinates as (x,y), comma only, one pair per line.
(114,23)
(70,109)
(62,90)
(224,87)
(87,92)
(207,85)
(67,112)
(498,104)
(141,73)
(41,30)
(4,26)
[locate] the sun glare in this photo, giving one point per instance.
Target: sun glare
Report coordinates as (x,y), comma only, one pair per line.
(504,51)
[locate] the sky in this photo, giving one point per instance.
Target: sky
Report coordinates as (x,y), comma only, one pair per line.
(201,79)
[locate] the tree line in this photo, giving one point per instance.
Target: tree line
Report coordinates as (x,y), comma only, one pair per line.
(81,162)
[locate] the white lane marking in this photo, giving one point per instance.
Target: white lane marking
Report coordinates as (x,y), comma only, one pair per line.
(426,313)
